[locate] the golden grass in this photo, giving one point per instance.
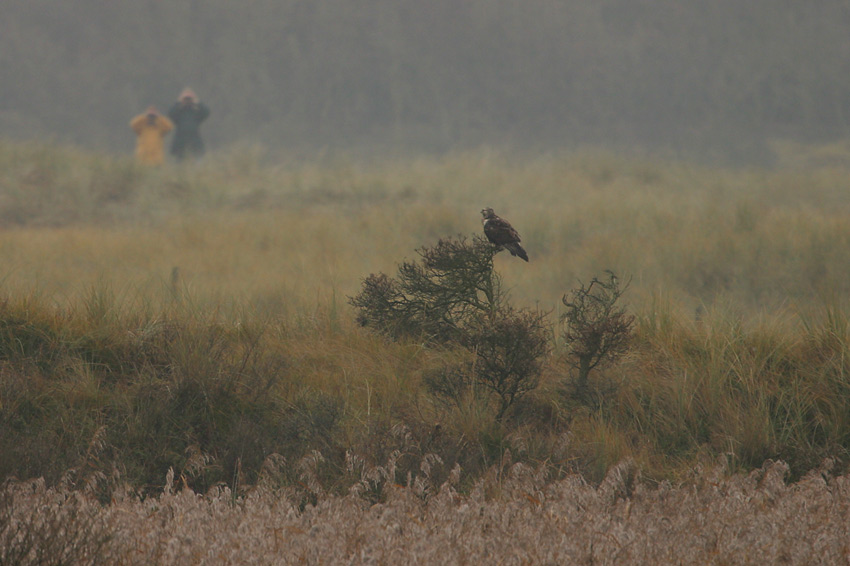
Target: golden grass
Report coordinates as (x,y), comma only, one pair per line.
(724,262)
(302,233)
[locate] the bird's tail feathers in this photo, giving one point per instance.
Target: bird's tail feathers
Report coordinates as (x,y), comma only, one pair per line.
(517,250)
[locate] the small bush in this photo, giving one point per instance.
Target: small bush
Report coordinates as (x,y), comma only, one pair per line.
(596,330)
(454,296)
(509,349)
(438,297)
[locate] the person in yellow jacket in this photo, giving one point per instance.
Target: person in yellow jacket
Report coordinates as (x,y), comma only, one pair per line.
(150,129)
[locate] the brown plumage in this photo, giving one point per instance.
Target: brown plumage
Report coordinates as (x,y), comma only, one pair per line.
(500,232)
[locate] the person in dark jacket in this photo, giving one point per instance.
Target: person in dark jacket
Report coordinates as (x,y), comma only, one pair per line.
(187,114)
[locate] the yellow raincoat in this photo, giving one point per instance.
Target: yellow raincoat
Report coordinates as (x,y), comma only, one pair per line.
(150,129)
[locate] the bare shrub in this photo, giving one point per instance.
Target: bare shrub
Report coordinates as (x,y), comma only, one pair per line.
(509,349)
(507,353)
(596,330)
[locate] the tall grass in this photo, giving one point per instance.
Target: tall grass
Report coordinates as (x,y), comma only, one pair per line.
(513,514)
(195,317)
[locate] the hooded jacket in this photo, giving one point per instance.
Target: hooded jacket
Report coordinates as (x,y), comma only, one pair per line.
(187,118)
(149,137)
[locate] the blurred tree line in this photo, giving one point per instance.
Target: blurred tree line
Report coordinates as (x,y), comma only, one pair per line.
(709,75)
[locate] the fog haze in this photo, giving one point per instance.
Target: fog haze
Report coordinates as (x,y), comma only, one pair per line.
(712,77)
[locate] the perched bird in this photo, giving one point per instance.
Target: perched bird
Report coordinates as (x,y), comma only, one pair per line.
(500,232)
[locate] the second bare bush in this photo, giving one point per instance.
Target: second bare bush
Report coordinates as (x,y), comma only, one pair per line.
(509,351)
(597,330)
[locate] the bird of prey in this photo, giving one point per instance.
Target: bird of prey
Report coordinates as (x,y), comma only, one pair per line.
(500,232)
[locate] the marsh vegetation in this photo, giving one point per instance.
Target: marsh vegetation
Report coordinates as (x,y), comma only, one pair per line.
(198,319)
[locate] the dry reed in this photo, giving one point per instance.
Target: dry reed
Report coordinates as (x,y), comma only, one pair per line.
(711,518)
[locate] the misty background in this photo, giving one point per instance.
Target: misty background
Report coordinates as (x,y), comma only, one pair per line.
(709,78)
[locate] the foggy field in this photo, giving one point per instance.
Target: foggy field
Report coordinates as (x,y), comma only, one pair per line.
(707,79)
(240,224)
(196,319)
(300,348)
